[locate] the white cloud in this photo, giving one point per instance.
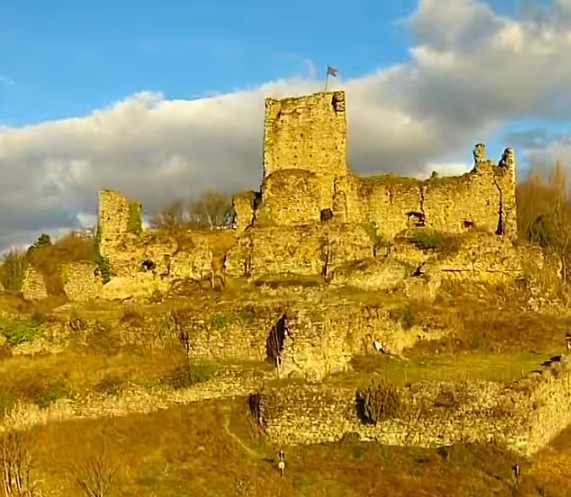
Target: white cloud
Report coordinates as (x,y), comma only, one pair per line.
(471,70)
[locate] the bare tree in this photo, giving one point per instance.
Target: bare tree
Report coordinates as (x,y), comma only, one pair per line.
(560,218)
(544,213)
(97,476)
(211,208)
(174,215)
(16,461)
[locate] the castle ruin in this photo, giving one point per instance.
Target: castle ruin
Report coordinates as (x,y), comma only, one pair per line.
(306,180)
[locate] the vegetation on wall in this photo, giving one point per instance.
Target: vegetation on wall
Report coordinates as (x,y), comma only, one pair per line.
(135,224)
(101,261)
(380,401)
(373,232)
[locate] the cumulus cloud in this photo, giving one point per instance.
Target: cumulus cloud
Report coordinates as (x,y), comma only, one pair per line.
(470,71)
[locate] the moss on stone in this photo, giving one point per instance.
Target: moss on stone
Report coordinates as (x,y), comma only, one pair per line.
(135,224)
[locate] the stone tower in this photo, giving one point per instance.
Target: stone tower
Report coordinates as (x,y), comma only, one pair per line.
(308,133)
(113,218)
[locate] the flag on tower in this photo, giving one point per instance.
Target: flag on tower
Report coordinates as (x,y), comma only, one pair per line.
(331,71)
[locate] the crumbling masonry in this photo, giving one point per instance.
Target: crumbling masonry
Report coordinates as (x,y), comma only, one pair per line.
(306,175)
(309,195)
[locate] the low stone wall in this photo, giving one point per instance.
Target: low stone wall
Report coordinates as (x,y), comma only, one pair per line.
(228,383)
(524,416)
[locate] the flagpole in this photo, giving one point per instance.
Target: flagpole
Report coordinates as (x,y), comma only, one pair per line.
(326,78)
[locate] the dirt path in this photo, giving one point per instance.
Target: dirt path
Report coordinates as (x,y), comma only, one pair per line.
(226,411)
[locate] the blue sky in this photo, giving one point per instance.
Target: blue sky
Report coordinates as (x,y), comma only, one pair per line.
(68,57)
(162,99)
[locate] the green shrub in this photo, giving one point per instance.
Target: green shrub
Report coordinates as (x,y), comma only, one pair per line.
(434,240)
(102,262)
(219,322)
(428,239)
(135,224)
(190,374)
(407,317)
(7,403)
(21,331)
(373,231)
(12,270)
(49,394)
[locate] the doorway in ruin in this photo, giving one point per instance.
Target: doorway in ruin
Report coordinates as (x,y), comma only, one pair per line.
(275,341)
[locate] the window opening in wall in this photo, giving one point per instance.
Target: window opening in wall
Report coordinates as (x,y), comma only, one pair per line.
(468,224)
(148,265)
(415,219)
(275,341)
(326,214)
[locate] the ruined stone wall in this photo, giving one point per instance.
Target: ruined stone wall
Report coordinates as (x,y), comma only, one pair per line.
(143,263)
(227,332)
(308,133)
(524,415)
(292,197)
(322,340)
(311,341)
(305,148)
(81,281)
(243,206)
(484,198)
(34,285)
(305,173)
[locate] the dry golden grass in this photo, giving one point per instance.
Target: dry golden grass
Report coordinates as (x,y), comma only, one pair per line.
(423,365)
(76,371)
(213,450)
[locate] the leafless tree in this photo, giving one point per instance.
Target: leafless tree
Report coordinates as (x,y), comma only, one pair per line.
(174,215)
(544,213)
(210,209)
(16,461)
(96,477)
